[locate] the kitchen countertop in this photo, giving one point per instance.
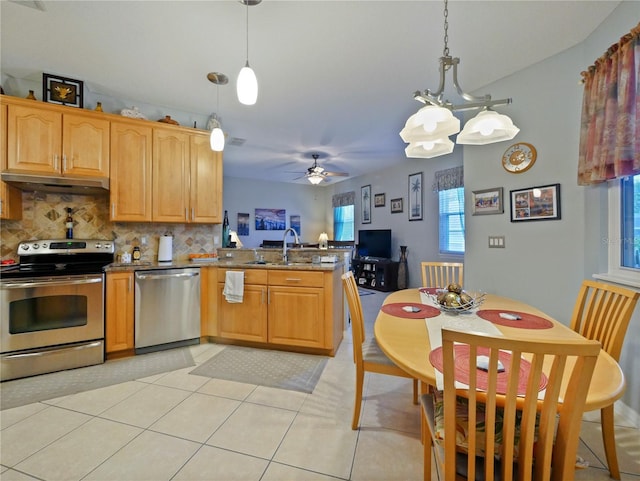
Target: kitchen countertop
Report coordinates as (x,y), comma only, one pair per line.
(233,264)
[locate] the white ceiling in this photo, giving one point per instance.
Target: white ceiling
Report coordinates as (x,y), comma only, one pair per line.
(335,77)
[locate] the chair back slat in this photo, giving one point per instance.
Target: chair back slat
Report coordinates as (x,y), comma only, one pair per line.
(535,449)
(602,312)
(441,274)
(355,312)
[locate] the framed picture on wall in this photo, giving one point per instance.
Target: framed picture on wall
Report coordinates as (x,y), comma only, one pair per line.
(294,223)
(365,204)
(378,200)
(243,223)
(415,196)
(536,203)
(396,205)
(62,90)
(488,201)
(271,219)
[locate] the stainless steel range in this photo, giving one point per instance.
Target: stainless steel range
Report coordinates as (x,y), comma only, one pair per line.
(52,307)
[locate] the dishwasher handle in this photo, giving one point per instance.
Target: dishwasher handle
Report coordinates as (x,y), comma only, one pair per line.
(167,276)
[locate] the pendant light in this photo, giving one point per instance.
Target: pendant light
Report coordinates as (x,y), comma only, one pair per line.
(247,84)
(427,131)
(217,135)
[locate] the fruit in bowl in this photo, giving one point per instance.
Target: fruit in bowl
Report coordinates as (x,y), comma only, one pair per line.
(455,299)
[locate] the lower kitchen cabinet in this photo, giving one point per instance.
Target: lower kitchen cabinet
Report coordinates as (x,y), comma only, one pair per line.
(119,313)
(284,309)
(246,320)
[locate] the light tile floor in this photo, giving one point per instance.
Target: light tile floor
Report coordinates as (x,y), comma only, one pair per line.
(177,426)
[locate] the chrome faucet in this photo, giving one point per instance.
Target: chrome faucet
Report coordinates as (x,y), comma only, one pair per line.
(284,242)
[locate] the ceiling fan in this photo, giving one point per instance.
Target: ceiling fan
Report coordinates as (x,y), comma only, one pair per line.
(317,174)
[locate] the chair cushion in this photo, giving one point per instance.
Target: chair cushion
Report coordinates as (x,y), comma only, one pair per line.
(462,425)
(371,352)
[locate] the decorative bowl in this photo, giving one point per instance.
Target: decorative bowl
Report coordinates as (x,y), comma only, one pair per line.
(477,298)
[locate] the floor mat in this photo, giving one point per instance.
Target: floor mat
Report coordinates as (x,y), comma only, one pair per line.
(263,367)
(57,384)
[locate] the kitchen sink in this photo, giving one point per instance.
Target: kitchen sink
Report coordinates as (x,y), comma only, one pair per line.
(280,263)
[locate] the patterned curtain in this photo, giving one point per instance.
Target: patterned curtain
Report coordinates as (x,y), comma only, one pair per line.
(448,179)
(610,127)
(340,200)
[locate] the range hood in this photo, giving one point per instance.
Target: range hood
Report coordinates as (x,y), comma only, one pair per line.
(68,185)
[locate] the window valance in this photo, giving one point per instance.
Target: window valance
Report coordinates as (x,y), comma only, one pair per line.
(346,198)
(610,125)
(448,179)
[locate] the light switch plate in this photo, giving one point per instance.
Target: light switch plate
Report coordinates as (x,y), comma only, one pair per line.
(496,242)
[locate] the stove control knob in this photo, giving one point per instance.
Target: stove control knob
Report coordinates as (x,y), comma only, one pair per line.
(36,246)
(107,246)
(98,245)
(25,247)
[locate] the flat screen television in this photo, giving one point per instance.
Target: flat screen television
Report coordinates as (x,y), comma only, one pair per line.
(375,243)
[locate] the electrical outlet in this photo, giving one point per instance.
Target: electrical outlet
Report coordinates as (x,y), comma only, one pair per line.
(216,239)
(143,240)
(496,242)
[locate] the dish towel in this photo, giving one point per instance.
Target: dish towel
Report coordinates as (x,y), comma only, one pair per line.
(234,286)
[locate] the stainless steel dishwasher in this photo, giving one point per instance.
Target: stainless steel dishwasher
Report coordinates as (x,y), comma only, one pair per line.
(167,308)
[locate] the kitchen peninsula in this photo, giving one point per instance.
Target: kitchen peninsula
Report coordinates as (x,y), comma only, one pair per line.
(294,306)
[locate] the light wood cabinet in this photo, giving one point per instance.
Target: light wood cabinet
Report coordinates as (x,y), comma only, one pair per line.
(187,178)
(119,313)
(289,309)
(246,320)
(130,185)
(296,308)
(10,197)
(206,181)
(47,139)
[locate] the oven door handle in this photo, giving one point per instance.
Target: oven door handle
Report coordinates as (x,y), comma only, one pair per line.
(56,282)
(166,276)
(23,355)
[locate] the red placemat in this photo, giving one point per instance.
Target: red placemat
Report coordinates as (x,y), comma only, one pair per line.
(396,309)
(462,369)
(430,290)
(528,321)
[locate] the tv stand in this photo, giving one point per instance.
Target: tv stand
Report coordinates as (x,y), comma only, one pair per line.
(378,274)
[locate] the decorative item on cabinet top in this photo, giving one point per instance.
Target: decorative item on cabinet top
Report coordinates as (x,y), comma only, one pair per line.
(168,120)
(133,113)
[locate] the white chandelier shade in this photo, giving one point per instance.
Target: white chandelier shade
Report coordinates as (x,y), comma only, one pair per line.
(247,85)
(429,124)
(429,149)
(217,137)
(486,128)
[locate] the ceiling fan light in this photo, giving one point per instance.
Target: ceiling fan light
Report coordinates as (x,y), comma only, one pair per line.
(486,128)
(315,179)
(217,139)
(247,86)
(428,150)
(430,123)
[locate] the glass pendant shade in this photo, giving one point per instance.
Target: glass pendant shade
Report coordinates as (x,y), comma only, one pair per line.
(315,179)
(247,86)
(429,124)
(486,128)
(217,139)
(427,150)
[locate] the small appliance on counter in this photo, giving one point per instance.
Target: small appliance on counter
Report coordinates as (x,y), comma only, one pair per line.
(165,248)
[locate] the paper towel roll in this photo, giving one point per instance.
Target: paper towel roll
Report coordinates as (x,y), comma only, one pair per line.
(165,248)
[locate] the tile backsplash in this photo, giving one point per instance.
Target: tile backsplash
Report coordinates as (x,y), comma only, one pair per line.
(44,214)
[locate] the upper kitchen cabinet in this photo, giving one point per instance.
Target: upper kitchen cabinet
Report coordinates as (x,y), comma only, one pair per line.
(55,140)
(10,197)
(206,181)
(187,177)
(130,190)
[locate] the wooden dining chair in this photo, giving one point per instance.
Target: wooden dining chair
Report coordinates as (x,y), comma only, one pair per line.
(505,418)
(602,312)
(441,274)
(367,355)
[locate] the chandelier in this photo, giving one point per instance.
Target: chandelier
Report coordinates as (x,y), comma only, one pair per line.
(427,130)
(247,84)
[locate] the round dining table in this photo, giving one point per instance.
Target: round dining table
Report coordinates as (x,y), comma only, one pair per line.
(402,334)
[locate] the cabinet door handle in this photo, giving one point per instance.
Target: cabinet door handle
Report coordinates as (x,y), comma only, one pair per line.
(262,296)
(113,210)
(293,279)
(55,161)
(186,213)
(193,214)
(129,284)
(64,162)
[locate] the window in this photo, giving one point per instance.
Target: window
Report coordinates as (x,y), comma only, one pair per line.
(343,226)
(624,234)
(630,222)
(451,221)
